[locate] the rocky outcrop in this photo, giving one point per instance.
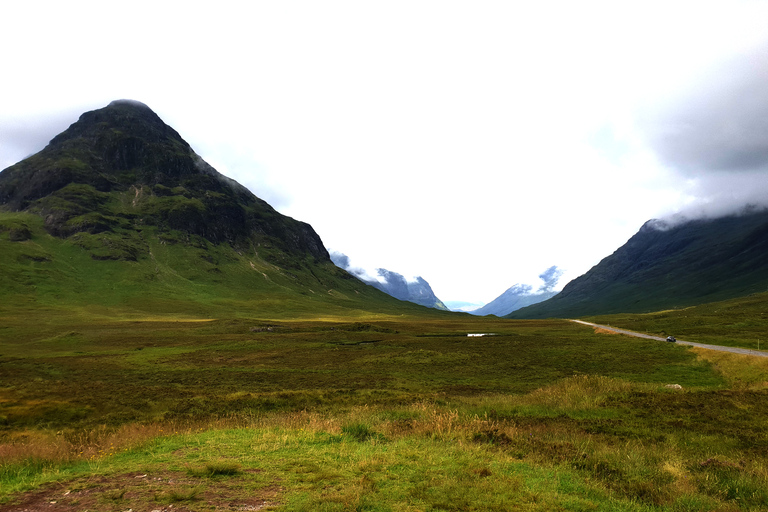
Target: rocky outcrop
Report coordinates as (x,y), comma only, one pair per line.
(121,166)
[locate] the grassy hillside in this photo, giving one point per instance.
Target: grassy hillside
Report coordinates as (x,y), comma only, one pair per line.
(169,271)
(669,267)
(119,212)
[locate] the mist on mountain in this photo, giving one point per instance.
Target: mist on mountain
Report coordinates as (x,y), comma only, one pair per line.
(416,289)
(669,266)
(521,295)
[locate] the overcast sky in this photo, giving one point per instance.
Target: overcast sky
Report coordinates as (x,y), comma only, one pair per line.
(473,143)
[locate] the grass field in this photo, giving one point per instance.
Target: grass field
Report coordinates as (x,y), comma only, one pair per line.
(376,412)
(159,371)
(741,322)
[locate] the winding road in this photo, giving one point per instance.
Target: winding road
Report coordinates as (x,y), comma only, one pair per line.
(736,350)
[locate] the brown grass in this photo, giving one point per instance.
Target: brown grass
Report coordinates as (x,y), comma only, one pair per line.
(87,445)
(600,330)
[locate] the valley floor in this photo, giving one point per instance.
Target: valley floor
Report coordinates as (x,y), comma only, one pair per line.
(384,413)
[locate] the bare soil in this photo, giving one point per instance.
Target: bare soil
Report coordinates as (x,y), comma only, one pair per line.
(166,491)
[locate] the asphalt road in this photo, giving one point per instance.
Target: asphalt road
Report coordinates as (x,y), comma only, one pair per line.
(736,350)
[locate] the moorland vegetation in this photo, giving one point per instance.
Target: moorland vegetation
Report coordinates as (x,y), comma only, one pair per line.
(167,348)
(382,411)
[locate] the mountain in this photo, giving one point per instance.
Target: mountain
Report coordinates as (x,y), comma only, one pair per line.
(463,306)
(522,295)
(118,208)
(514,298)
(669,266)
(417,290)
(125,153)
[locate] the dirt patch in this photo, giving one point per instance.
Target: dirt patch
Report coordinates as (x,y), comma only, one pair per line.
(166,491)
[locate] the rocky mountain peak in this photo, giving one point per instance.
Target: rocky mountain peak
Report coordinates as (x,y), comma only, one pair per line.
(126,119)
(122,166)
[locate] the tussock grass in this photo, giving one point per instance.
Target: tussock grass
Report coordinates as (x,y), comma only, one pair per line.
(360,432)
(743,372)
(89,445)
(311,415)
(179,495)
(439,457)
(214,469)
(579,392)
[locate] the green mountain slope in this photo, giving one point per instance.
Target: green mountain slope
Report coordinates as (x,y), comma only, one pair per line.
(118,209)
(665,267)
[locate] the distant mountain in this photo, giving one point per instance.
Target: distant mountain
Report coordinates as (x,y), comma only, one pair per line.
(417,291)
(514,298)
(522,295)
(462,305)
(118,209)
(667,266)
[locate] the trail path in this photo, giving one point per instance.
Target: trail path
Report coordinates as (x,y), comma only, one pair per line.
(736,350)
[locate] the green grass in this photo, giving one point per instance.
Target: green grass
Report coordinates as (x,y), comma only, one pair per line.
(197,376)
(168,370)
(389,413)
(430,458)
(741,322)
(145,270)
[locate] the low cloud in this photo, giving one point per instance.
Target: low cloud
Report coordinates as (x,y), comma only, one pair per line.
(520,289)
(341,260)
(21,140)
(381,275)
(721,125)
(550,278)
(22,137)
(715,138)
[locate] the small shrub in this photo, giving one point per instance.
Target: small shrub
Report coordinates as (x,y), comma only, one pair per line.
(19,234)
(492,436)
(178,495)
(115,494)
(214,469)
(483,473)
(578,392)
(732,482)
(360,432)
